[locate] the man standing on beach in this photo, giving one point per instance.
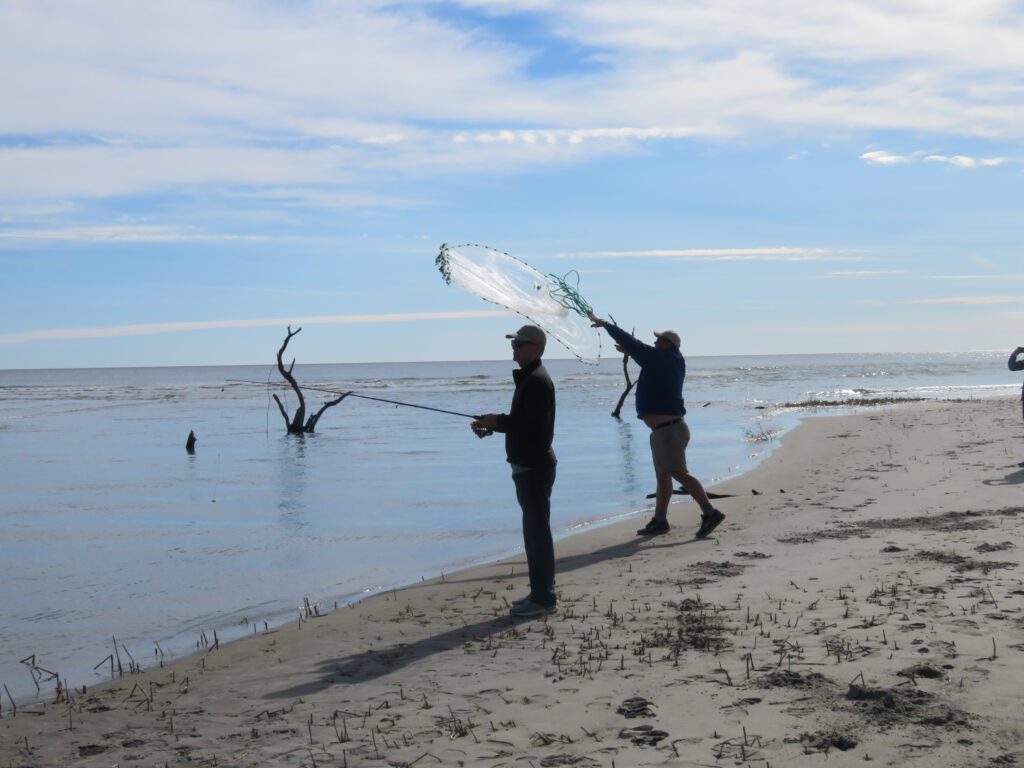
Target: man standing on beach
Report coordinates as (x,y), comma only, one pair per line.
(529,428)
(659,402)
(1018,365)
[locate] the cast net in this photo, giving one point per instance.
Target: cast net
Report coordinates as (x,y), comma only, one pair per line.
(554,303)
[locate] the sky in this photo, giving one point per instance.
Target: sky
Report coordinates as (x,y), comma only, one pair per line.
(181,180)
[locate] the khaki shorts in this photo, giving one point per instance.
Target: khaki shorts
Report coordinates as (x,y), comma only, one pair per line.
(668,448)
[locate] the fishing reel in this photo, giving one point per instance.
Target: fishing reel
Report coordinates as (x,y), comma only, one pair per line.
(481,431)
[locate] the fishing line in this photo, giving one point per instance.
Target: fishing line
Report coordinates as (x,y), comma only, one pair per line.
(365,397)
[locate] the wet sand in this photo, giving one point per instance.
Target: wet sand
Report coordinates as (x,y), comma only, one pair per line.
(863,602)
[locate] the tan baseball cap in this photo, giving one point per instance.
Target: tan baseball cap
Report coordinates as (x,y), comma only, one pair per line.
(669,336)
(531,334)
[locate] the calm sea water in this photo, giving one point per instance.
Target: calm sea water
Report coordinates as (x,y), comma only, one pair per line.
(109,528)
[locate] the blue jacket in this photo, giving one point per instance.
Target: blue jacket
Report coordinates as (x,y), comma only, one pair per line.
(659,390)
(1016,365)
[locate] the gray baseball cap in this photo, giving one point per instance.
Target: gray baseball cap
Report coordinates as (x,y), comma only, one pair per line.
(670,336)
(530,333)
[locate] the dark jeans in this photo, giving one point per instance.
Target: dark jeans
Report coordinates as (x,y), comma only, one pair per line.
(533,491)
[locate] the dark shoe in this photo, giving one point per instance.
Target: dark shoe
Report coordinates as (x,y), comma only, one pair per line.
(709,522)
(653,528)
(530,609)
(520,601)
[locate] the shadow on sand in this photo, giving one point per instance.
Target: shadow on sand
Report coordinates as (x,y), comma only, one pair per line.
(1014,478)
(371,664)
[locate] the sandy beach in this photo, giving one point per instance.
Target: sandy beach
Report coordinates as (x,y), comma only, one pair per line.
(862,603)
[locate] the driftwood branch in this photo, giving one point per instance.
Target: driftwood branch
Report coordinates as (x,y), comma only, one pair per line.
(311,423)
(629,384)
(298,424)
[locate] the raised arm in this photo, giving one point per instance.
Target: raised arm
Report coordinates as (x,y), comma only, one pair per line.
(629,343)
(1015,364)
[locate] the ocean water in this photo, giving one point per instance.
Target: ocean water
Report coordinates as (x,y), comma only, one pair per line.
(108,528)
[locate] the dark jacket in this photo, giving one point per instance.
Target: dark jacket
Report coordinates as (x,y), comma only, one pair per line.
(1016,365)
(659,389)
(529,426)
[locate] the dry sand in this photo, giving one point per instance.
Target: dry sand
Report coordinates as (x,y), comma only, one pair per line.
(864,606)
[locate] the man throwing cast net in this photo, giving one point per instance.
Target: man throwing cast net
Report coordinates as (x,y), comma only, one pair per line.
(659,403)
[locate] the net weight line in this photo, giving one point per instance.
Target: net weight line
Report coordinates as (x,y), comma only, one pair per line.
(356,394)
(549,301)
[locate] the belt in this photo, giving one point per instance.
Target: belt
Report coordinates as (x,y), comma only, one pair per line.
(666,424)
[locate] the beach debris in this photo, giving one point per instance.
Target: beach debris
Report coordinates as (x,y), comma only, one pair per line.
(708,571)
(39,674)
(851,402)
(762,435)
(948,522)
(922,670)
(741,748)
(787,678)
(823,741)
(564,759)
(635,706)
(643,735)
(986,547)
(962,563)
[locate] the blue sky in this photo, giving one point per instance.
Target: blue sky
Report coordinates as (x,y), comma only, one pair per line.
(179,181)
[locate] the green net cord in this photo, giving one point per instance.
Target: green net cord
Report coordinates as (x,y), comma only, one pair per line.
(569,295)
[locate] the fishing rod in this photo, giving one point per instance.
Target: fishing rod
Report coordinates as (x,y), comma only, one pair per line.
(356,394)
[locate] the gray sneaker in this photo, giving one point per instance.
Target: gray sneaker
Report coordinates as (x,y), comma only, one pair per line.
(654,528)
(709,522)
(530,609)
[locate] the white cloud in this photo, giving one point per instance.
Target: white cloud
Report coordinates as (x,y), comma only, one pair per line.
(120,98)
(882,157)
(149,329)
(867,273)
(576,136)
(122,234)
(970,300)
(975,277)
(960,160)
(721,254)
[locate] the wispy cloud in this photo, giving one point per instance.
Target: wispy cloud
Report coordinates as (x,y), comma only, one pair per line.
(962,161)
(975,277)
(867,273)
(150,329)
(970,300)
(721,254)
(883,157)
(571,136)
(122,234)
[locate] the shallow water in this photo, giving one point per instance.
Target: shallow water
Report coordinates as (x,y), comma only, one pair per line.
(109,528)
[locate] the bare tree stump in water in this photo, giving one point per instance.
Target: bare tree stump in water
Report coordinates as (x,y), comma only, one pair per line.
(295,424)
(629,381)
